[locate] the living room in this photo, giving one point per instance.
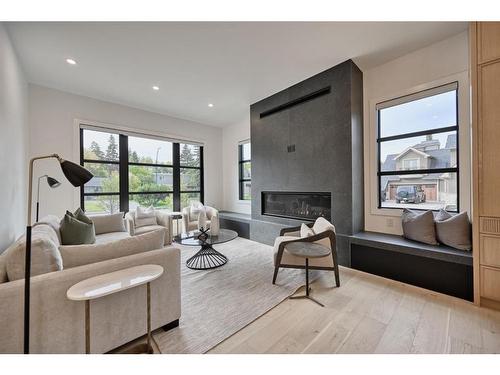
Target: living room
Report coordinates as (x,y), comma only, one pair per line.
(262,187)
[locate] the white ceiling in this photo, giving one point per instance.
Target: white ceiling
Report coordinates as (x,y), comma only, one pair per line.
(195,63)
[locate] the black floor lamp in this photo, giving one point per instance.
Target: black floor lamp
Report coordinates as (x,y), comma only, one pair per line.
(52,182)
(78,176)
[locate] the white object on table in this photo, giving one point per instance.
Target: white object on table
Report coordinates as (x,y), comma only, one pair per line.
(113,282)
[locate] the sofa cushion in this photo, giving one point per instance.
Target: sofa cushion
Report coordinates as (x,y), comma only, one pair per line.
(419,226)
(145,216)
(3,270)
(454,230)
(110,237)
(45,255)
(79,255)
(109,223)
(75,231)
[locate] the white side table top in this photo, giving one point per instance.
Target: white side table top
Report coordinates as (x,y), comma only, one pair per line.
(109,283)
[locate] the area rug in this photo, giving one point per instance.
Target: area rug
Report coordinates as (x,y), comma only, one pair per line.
(217,303)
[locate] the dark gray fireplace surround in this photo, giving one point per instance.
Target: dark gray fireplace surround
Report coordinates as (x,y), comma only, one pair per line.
(309,138)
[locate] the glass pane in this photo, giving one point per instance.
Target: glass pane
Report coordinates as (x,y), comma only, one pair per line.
(106,178)
(420,191)
(100,145)
(437,111)
(103,204)
(190,179)
(145,178)
(246,170)
(246,151)
(425,152)
(151,151)
(188,198)
(247,190)
(160,201)
(189,155)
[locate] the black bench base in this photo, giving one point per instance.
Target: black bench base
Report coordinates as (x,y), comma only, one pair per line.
(398,263)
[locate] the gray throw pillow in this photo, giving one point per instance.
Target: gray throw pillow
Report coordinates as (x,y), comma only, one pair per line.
(75,231)
(419,226)
(454,230)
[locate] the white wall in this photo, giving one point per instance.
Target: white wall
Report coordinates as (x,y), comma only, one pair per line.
(52,116)
(231,136)
(437,64)
(13,143)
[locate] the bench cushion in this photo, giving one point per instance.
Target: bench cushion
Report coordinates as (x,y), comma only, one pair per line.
(402,245)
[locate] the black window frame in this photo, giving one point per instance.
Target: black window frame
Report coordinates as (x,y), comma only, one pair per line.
(241,179)
(454,86)
(124,163)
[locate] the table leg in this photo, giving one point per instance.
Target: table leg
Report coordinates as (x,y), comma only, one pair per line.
(87,327)
(148,286)
(307,277)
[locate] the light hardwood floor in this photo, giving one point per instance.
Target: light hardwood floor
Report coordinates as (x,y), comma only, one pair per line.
(369,314)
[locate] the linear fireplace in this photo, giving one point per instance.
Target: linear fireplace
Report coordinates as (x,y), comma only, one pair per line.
(297,205)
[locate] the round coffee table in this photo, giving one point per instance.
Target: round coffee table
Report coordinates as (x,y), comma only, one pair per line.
(207,257)
(307,250)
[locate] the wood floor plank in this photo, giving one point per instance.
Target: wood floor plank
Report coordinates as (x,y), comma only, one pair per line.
(370,314)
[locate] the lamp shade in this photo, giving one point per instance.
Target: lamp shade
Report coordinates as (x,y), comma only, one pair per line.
(75,173)
(53,183)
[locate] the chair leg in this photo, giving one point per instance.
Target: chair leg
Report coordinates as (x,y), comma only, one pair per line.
(336,268)
(276,269)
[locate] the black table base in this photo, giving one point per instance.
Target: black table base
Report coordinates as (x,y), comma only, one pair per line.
(308,289)
(206,258)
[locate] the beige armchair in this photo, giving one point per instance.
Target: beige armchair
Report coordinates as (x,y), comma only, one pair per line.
(190,217)
(163,221)
(284,259)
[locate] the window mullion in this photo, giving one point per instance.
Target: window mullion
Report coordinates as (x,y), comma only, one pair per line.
(176,176)
(124,184)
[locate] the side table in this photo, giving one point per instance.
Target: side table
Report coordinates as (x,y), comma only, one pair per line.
(114,282)
(307,250)
(176,216)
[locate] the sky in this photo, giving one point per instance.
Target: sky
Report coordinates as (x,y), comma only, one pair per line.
(428,113)
(145,147)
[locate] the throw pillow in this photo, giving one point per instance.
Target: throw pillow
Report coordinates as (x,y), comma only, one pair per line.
(419,226)
(109,223)
(305,231)
(321,225)
(76,232)
(79,255)
(202,219)
(194,210)
(454,230)
(145,216)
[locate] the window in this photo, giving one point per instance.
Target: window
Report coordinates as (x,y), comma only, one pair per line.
(245,171)
(137,170)
(418,150)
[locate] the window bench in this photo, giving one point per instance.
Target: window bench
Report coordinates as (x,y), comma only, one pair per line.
(235,221)
(439,268)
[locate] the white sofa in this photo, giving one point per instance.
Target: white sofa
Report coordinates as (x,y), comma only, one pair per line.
(163,222)
(57,324)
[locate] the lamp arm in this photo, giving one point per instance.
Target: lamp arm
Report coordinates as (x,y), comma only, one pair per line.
(30,182)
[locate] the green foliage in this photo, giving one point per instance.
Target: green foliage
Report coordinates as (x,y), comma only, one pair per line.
(141,178)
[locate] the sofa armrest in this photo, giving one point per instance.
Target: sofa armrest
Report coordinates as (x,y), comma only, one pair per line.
(165,220)
(57,323)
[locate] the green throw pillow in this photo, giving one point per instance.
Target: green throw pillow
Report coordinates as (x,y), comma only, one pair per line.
(77,229)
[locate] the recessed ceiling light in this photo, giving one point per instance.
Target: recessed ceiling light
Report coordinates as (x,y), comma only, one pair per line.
(71,61)
(156,88)
(210,105)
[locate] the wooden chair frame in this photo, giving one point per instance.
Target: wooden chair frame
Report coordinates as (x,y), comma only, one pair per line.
(326,234)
